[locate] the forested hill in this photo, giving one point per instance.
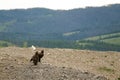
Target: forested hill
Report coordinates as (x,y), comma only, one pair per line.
(86,22)
(46,24)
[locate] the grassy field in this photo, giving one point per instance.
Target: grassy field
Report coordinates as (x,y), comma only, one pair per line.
(103,42)
(115,41)
(106,36)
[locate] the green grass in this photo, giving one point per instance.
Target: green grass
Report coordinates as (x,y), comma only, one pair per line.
(102,37)
(107,69)
(84,43)
(5,44)
(113,38)
(115,41)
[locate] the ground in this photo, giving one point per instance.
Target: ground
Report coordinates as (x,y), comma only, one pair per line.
(59,64)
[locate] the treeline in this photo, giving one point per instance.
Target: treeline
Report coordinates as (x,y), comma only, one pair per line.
(82,44)
(97,45)
(5,44)
(47,44)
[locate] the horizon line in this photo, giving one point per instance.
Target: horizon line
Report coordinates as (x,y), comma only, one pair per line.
(62,9)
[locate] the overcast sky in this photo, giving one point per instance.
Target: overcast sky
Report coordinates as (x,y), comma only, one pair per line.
(54,4)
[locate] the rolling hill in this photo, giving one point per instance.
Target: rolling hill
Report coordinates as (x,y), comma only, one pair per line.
(59,28)
(102,42)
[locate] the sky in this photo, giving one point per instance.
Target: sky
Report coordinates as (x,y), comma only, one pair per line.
(54,4)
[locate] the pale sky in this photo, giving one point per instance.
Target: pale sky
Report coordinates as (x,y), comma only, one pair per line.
(54,4)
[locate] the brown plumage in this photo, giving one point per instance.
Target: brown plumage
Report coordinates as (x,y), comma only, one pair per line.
(41,54)
(35,58)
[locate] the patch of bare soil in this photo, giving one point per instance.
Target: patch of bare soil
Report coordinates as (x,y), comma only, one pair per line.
(59,64)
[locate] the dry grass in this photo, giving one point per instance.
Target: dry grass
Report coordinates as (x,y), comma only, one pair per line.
(97,62)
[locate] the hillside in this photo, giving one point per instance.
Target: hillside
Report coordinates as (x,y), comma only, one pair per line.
(57,64)
(55,28)
(87,22)
(108,38)
(101,42)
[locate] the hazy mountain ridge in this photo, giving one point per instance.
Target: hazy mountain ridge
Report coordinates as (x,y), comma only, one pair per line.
(44,21)
(41,24)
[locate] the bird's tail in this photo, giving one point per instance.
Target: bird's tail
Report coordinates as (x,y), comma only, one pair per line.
(33,47)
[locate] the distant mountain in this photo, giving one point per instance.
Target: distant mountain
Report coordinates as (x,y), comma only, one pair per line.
(87,22)
(46,24)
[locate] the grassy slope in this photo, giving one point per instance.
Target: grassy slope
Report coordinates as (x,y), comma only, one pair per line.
(115,41)
(102,42)
(108,42)
(108,38)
